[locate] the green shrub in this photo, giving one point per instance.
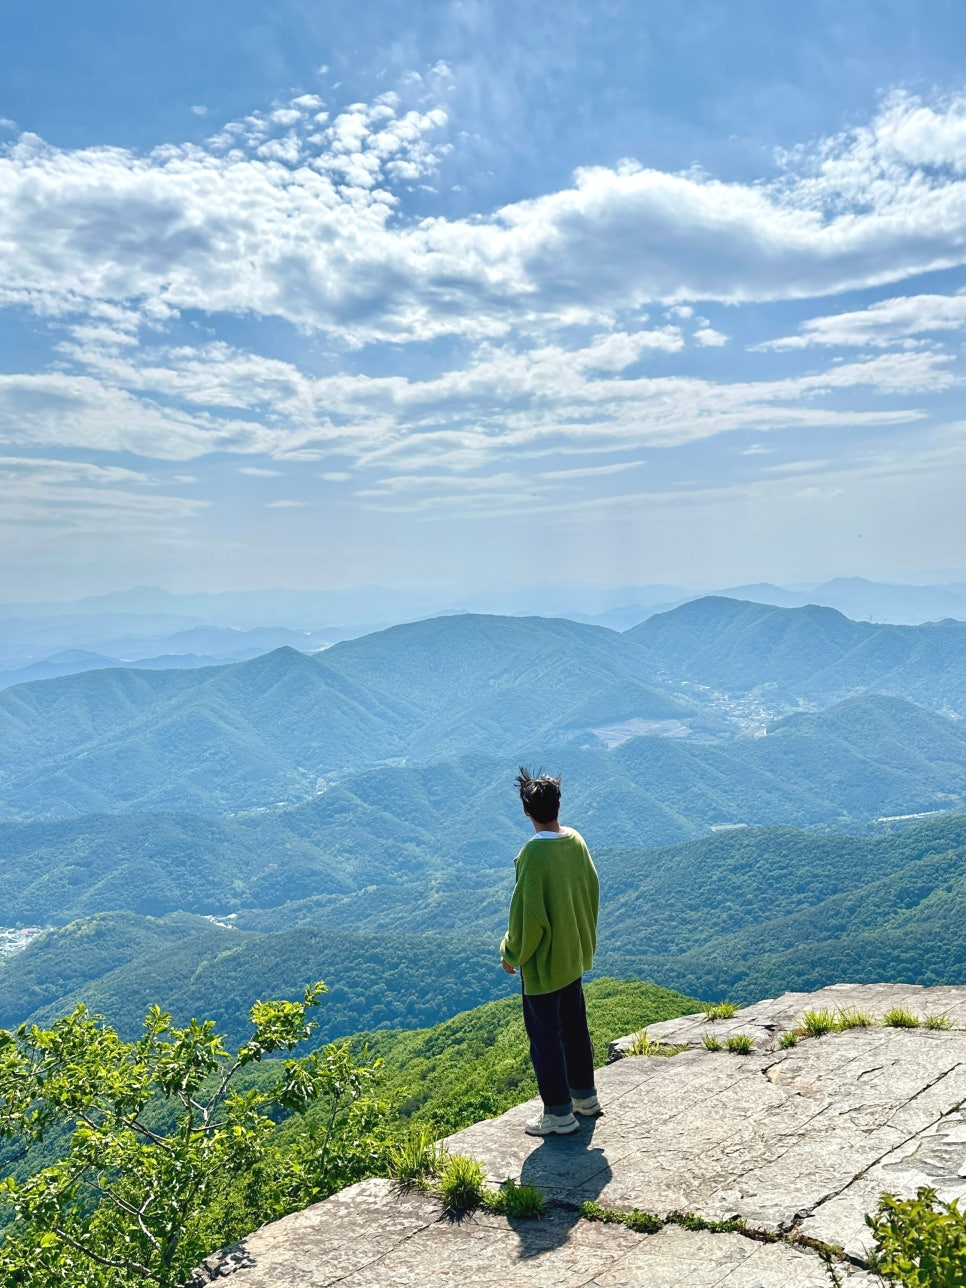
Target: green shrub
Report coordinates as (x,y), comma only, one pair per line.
(164,1152)
(900,1018)
(461,1184)
(740,1044)
(920,1242)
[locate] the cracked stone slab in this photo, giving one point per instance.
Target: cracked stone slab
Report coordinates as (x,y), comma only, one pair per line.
(371,1235)
(935,1156)
(774,1137)
(767,1019)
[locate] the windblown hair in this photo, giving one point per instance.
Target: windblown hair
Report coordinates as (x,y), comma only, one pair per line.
(540,795)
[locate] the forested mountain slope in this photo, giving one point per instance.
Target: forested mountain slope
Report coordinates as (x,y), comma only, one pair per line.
(68,959)
(374,981)
(389,826)
(741,913)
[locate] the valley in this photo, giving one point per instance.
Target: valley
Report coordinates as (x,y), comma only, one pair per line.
(764,798)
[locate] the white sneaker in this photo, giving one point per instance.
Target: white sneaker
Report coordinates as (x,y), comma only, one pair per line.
(588,1107)
(552,1125)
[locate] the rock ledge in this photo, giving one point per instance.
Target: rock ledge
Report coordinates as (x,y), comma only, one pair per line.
(797,1142)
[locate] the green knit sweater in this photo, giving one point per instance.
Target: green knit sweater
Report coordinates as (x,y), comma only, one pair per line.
(553,913)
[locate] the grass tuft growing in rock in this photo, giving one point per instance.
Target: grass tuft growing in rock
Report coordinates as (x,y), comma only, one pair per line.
(740,1044)
(900,1018)
(643,1044)
(516,1200)
(720,1011)
(462,1185)
(816,1024)
(788,1039)
(853,1019)
(937,1022)
(711,1043)
(416,1158)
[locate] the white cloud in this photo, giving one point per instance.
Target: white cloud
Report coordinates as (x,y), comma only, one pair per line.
(80,497)
(257,472)
(798,467)
(285,505)
(881,324)
(504,401)
(199,109)
(79,411)
(709,337)
(592,471)
(281,215)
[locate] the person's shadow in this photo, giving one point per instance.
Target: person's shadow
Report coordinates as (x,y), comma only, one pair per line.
(558,1166)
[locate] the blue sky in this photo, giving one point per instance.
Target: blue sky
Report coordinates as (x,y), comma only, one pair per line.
(480,294)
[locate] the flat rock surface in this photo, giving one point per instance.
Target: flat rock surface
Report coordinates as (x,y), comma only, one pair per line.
(767,1019)
(796,1141)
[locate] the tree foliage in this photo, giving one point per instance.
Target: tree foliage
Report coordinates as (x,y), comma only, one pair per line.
(166,1154)
(920,1242)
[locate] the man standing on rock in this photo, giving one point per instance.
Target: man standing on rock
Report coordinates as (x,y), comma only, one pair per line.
(551,938)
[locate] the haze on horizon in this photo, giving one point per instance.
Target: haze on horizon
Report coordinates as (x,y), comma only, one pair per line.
(477,296)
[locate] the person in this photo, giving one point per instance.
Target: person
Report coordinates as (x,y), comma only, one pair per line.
(550,940)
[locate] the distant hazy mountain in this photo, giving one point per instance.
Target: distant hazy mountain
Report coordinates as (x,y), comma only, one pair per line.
(149,624)
(373,606)
(216,738)
(865,600)
(28,650)
(266,730)
(69,662)
(278,727)
(814,654)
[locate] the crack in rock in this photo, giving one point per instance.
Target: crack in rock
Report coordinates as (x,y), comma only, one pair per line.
(805,1213)
(387,1252)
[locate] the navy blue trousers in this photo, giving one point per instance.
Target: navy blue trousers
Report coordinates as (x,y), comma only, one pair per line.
(560,1045)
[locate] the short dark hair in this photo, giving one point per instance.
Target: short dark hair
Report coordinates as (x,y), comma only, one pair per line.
(540,795)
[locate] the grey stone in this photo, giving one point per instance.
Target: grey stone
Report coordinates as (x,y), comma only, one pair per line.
(796,1142)
(371,1236)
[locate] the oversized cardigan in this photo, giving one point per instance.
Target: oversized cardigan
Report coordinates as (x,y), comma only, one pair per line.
(552,931)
